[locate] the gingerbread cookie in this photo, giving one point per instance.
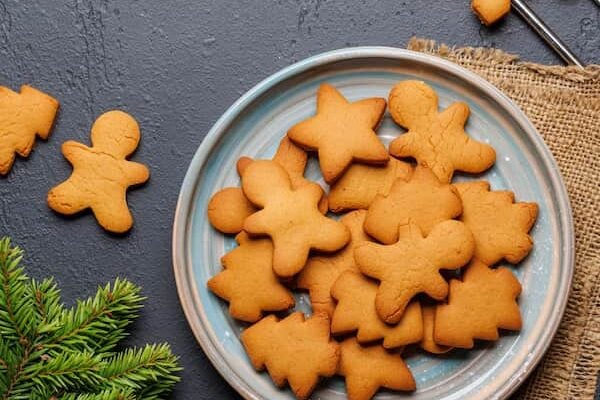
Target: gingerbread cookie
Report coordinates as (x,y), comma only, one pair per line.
(342,132)
(248,282)
(361,183)
(289,216)
(437,140)
(23,116)
(499,225)
(412,265)
(295,350)
(428,343)
(355,311)
(490,11)
(423,200)
(480,304)
(368,368)
(228,209)
(321,272)
(102,173)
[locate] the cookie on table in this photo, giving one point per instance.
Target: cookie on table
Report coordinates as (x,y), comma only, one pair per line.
(290,216)
(355,311)
(101,173)
(361,183)
(368,368)
(248,282)
(228,208)
(321,272)
(412,265)
(490,11)
(422,199)
(428,343)
(342,132)
(483,302)
(295,350)
(23,116)
(500,226)
(435,139)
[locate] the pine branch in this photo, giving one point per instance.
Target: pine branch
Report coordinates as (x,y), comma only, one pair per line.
(110,394)
(99,322)
(138,368)
(48,307)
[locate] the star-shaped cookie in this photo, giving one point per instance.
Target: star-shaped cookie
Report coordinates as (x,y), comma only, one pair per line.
(367,368)
(248,281)
(437,140)
(412,265)
(321,272)
(480,304)
(295,350)
(500,226)
(290,216)
(342,132)
(355,311)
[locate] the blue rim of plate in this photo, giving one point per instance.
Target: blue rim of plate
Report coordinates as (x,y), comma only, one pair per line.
(181,227)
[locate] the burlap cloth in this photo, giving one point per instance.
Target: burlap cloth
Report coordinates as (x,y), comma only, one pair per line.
(564,105)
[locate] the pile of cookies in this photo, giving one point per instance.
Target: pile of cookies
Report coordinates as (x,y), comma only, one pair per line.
(409,263)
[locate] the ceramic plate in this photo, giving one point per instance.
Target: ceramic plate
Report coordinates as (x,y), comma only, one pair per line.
(254,125)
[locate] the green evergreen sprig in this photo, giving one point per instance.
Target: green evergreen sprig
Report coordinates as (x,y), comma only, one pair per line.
(51,352)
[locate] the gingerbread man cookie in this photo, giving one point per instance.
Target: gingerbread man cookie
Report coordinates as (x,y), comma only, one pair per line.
(412,265)
(500,226)
(423,200)
(480,304)
(342,132)
(321,272)
(368,368)
(355,311)
(361,183)
(23,116)
(289,216)
(248,281)
(295,350)
(102,173)
(437,140)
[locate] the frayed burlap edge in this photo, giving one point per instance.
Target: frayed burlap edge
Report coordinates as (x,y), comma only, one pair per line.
(564,103)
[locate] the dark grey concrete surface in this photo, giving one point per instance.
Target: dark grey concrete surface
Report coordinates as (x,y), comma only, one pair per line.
(176,66)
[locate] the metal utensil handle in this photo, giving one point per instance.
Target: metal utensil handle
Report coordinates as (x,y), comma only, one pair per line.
(546,33)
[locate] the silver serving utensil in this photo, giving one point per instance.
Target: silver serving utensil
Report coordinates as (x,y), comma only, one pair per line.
(521,7)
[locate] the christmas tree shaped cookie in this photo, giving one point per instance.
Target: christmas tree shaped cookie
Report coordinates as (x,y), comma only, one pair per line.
(295,350)
(480,304)
(23,116)
(437,140)
(248,281)
(412,265)
(342,132)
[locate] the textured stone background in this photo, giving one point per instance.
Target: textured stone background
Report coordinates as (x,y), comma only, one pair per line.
(176,66)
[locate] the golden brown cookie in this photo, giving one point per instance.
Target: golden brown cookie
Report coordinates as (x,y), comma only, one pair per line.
(23,116)
(101,173)
(355,311)
(248,282)
(500,226)
(480,304)
(423,200)
(428,343)
(295,350)
(361,183)
(342,132)
(437,140)
(490,11)
(289,216)
(412,265)
(228,209)
(321,272)
(368,368)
